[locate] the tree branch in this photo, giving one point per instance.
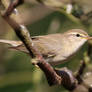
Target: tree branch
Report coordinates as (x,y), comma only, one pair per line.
(22,32)
(54,77)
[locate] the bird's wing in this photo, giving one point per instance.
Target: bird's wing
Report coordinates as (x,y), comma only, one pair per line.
(48,45)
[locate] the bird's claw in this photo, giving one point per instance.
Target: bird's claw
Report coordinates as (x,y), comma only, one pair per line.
(34,61)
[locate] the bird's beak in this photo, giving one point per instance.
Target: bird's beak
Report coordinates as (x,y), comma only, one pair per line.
(88,38)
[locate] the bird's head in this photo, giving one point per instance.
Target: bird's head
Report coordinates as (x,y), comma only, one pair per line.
(74,39)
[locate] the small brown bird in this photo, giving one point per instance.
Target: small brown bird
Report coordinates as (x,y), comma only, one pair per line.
(55,48)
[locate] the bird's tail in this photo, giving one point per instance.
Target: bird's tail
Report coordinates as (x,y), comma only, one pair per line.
(15,45)
(12,43)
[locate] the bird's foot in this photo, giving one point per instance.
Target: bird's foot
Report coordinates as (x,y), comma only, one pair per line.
(34,61)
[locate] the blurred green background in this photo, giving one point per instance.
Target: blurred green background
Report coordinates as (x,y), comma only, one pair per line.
(17,74)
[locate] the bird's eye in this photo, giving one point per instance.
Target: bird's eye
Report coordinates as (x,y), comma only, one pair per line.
(78,35)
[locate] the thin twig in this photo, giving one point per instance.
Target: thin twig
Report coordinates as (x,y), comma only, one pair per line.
(13,5)
(80,72)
